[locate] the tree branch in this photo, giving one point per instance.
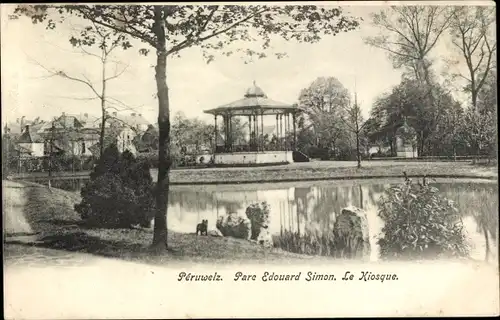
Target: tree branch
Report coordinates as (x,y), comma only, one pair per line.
(133,32)
(116,75)
(62,74)
(221,31)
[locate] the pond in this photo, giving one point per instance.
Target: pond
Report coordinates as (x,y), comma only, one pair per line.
(304,208)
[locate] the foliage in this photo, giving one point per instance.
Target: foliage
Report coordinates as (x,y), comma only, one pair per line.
(191,134)
(119,193)
(407,101)
(420,223)
(238,130)
(310,243)
(480,131)
(323,104)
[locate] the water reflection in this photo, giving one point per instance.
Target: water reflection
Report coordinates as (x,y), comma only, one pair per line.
(311,208)
(305,209)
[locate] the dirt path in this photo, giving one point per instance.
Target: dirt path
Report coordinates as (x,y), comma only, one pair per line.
(14,200)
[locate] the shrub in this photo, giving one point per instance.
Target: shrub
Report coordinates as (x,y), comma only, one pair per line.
(419,223)
(119,193)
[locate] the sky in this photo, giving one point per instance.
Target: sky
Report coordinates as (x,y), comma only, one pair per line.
(194,85)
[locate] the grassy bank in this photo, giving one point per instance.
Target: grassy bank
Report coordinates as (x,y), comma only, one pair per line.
(317,170)
(331,170)
(51,216)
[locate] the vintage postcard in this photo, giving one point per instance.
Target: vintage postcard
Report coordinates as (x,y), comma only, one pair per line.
(248,160)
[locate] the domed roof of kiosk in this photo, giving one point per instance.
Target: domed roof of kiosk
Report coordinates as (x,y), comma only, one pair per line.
(255,101)
(255,91)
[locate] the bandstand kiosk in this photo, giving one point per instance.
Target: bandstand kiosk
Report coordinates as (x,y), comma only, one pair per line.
(254,106)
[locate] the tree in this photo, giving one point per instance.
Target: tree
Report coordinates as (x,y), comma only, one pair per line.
(409,33)
(191,132)
(407,101)
(323,104)
(354,123)
(171,29)
(107,42)
(238,128)
(473,35)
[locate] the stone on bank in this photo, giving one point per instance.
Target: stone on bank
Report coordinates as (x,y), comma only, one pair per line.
(351,236)
(234,225)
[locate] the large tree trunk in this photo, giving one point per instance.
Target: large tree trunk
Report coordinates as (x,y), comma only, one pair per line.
(160,222)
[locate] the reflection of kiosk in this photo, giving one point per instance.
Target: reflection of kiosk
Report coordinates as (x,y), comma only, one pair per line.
(255,105)
(406,138)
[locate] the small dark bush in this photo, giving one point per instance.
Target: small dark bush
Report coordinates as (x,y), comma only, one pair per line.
(119,193)
(419,223)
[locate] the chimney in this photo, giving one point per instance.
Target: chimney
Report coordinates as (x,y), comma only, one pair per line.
(140,115)
(133,114)
(114,114)
(86,115)
(64,114)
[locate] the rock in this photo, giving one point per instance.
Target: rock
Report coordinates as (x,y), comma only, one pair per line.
(234,225)
(265,239)
(215,233)
(351,237)
(259,215)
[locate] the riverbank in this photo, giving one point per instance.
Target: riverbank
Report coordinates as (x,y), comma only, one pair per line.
(312,171)
(55,229)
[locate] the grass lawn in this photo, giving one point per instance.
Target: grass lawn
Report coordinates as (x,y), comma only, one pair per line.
(323,170)
(318,170)
(50,214)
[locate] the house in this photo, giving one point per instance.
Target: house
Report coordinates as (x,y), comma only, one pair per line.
(88,121)
(31,143)
(123,137)
(70,134)
(135,121)
(16,128)
(147,141)
(66,122)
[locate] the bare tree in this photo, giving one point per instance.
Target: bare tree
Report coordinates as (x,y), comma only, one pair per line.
(107,42)
(354,124)
(473,35)
(409,33)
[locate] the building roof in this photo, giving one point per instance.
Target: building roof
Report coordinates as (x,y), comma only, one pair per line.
(132,120)
(22,150)
(87,120)
(255,101)
(18,126)
(30,136)
(66,121)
